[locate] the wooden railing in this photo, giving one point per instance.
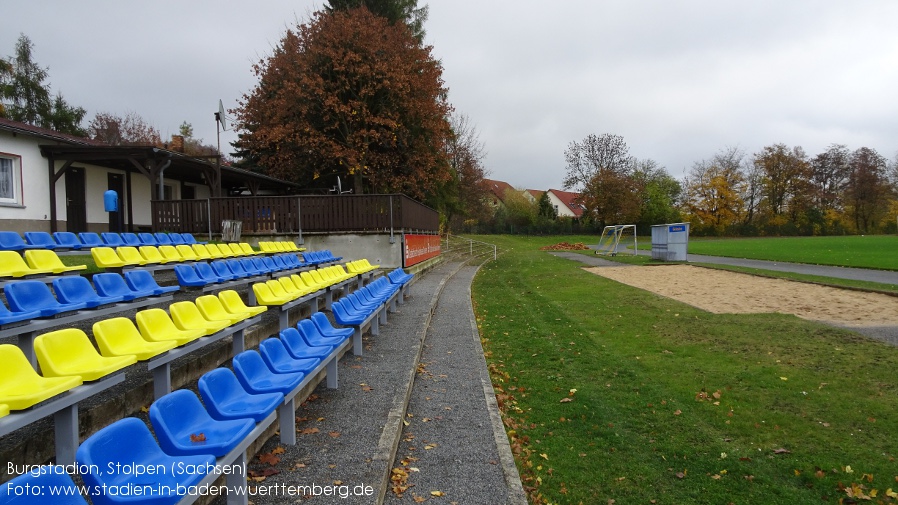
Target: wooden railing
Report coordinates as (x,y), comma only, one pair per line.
(296,214)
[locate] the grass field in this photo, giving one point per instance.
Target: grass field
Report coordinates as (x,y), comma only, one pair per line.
(614,393)
(870,251)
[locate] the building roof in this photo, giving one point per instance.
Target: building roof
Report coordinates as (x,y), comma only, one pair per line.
(44,133)
(497,188)
(570,199)
(536,193)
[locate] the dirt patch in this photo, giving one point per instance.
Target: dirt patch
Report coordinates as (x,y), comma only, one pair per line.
(724,292)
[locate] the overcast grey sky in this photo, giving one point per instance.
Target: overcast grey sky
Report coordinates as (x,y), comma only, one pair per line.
(679,80)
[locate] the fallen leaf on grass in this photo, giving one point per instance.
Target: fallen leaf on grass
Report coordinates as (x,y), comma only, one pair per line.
(782,451)
(566,399)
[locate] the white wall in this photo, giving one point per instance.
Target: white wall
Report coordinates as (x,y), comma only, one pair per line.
(563,210)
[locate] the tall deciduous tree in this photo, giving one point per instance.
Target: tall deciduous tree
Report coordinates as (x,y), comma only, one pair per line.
(26,98)
(395,11)
(829,175)
(713,192)
(349,94)
(660,193)
(786,173)
(867,190)
(600,168)
(465,195)
(122,131)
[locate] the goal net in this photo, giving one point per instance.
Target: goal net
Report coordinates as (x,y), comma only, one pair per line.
(616,239)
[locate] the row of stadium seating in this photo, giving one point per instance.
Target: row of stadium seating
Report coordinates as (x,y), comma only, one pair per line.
(12,241)
(237,406)
(32,299)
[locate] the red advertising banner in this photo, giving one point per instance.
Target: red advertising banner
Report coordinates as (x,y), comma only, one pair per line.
(419,248)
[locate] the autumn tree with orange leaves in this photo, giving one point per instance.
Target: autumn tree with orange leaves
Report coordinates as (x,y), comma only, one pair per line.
(349,94)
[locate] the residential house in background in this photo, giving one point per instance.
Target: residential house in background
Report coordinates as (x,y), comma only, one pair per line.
(566,203)
(50,181)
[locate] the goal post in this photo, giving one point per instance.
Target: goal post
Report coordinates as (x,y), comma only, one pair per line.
(616,239)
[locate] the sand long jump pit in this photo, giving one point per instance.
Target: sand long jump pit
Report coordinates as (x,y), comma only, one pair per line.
(723,292)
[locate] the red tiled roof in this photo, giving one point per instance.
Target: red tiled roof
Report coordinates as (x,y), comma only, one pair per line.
(570,199)
(536,193)
(497,188)
(25,128)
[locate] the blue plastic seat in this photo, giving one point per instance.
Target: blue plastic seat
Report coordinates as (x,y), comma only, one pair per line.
(272,265)
(112,284)
(399,276)
(8,317)
(77,289)
(12,241)
(250,267)
(91,239)
(237,268)
(162,238)
(112,239)
(129,443)
(327,329)
(312,336)
(262,266)
(176,239)
(220,267)
(142,280)
(131,239)
(189,238)
(26,296)
(68,239)
(279,360)
(187,276)
(298,348)
(344,317)
(255,376)
(64,489)
(147,239)
(178,418)
(40,239)
(205,272)
(225,398)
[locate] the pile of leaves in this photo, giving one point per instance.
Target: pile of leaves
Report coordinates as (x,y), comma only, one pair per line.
(565,246)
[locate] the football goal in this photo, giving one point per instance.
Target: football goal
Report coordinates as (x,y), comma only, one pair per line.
(617,239)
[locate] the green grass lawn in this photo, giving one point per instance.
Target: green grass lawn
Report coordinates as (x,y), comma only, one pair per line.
(613,393)
(870,251)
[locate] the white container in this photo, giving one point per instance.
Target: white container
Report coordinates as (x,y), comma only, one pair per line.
(670,242)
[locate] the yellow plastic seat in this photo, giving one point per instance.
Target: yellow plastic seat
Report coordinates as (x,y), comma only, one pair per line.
(312,282)
(291,288)
(232,302)
(170,254)
(278,290)
(21,387)
(301,284)
(155,325)
(316,274)
(45,259)
(105,257)
(151,254)
(236,249)
(201,252)
(119,337)
(248,249)
(4,410)
(265,247)
(13,265)
(215,252)
(212,309)
(68,352)
(264,295)
(186,252)
(130,255)
(187,316)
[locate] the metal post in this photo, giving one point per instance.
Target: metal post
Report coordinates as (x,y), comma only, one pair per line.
(392,239)
(209,216)
(299,219)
